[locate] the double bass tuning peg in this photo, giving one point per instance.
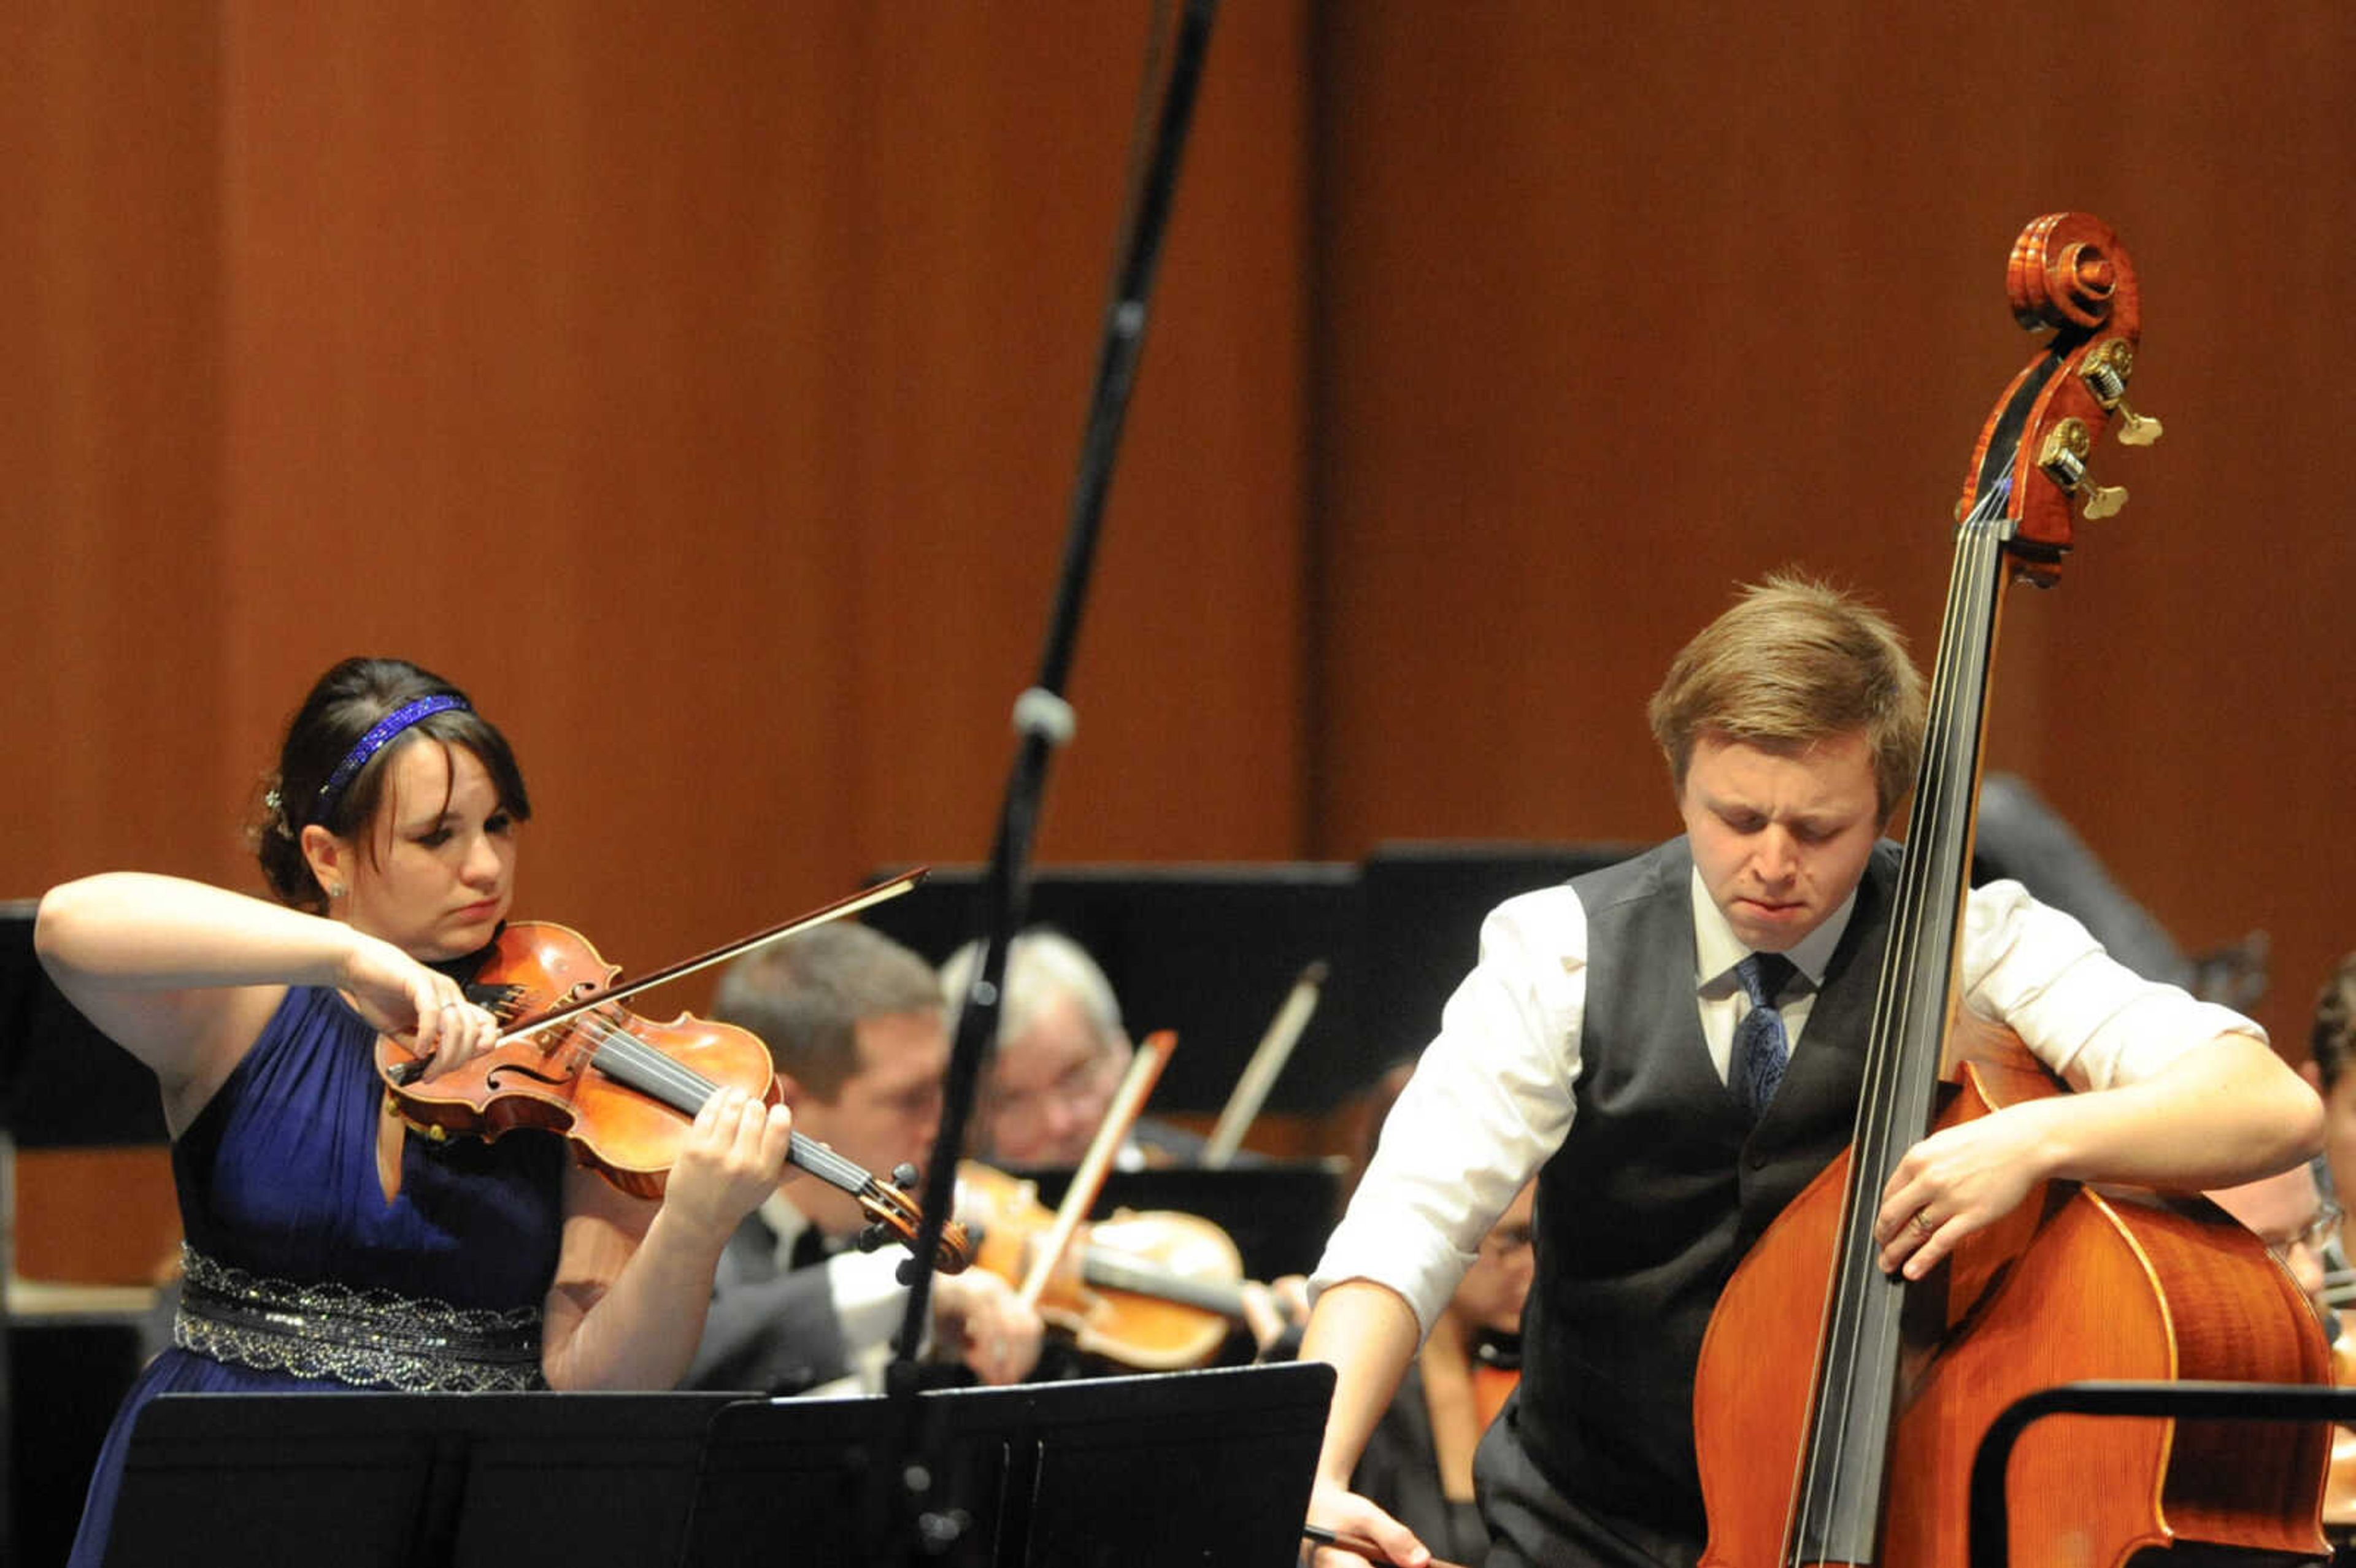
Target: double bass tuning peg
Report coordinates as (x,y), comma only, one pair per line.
(2134,429)
(2064,460)
(2106,371)
(2100,501)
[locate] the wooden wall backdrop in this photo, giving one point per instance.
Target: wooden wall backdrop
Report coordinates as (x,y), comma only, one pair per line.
(701,385)
(1622,306)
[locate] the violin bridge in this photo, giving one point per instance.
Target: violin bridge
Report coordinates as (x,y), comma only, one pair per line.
(502,1002)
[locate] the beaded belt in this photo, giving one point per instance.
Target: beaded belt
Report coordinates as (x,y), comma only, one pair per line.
(369,1338)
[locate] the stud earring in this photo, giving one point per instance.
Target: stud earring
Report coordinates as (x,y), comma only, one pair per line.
(335,889)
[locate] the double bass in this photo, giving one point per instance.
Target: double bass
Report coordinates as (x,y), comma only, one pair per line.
(1849,1438)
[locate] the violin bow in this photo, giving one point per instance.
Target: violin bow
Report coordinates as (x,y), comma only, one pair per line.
(1359,1546)
(866,897)
(1259,1073)
(1087,1181)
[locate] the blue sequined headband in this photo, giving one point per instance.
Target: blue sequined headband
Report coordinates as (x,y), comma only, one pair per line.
(381,731)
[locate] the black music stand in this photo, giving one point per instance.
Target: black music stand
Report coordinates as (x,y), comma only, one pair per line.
(1179,1469)
(395,1481)
(62,1084)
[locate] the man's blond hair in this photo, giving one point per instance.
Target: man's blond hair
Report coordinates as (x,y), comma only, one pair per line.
(1794,662)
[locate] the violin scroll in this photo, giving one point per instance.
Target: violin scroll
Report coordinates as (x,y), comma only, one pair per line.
(894,1216)
(2069,274)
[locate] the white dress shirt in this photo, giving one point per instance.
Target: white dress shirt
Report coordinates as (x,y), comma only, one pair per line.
(1491,1101)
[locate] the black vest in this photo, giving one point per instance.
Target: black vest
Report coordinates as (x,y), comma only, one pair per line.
(1663,1183)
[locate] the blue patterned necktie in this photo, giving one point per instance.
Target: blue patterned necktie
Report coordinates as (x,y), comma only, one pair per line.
(1761,1050)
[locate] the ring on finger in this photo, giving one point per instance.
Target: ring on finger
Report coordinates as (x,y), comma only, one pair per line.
(1922,1221)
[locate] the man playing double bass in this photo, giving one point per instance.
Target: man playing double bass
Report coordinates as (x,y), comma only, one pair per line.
(1673,1045)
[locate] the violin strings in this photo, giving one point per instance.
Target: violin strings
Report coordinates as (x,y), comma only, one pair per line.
(655,1072)
(1118,1272)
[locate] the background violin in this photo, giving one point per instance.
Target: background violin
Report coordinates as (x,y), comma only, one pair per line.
(1157,1290)
(622,1089)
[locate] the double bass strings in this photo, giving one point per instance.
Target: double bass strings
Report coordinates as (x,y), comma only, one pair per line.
(1839,1474)
(1846,1484)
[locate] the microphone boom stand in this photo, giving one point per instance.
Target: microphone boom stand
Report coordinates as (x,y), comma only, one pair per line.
(1042,721)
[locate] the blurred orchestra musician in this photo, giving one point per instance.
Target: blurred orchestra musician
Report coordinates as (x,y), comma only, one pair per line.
(2294,1213)
(2298,1218)
(1062,1052)
(2331,1044)
(2331,1051)
(854,1025)
(1418,1465)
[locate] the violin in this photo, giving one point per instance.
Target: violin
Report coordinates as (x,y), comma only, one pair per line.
(1156,1290)
(621,1088)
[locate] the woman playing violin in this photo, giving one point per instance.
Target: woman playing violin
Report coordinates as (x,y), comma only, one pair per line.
(324,1250)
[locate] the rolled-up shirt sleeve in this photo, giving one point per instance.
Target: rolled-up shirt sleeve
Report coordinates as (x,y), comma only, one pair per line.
(2089,1018)
(1489,1104)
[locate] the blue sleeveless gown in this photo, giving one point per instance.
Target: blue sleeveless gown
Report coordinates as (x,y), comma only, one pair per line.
(277,1176)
